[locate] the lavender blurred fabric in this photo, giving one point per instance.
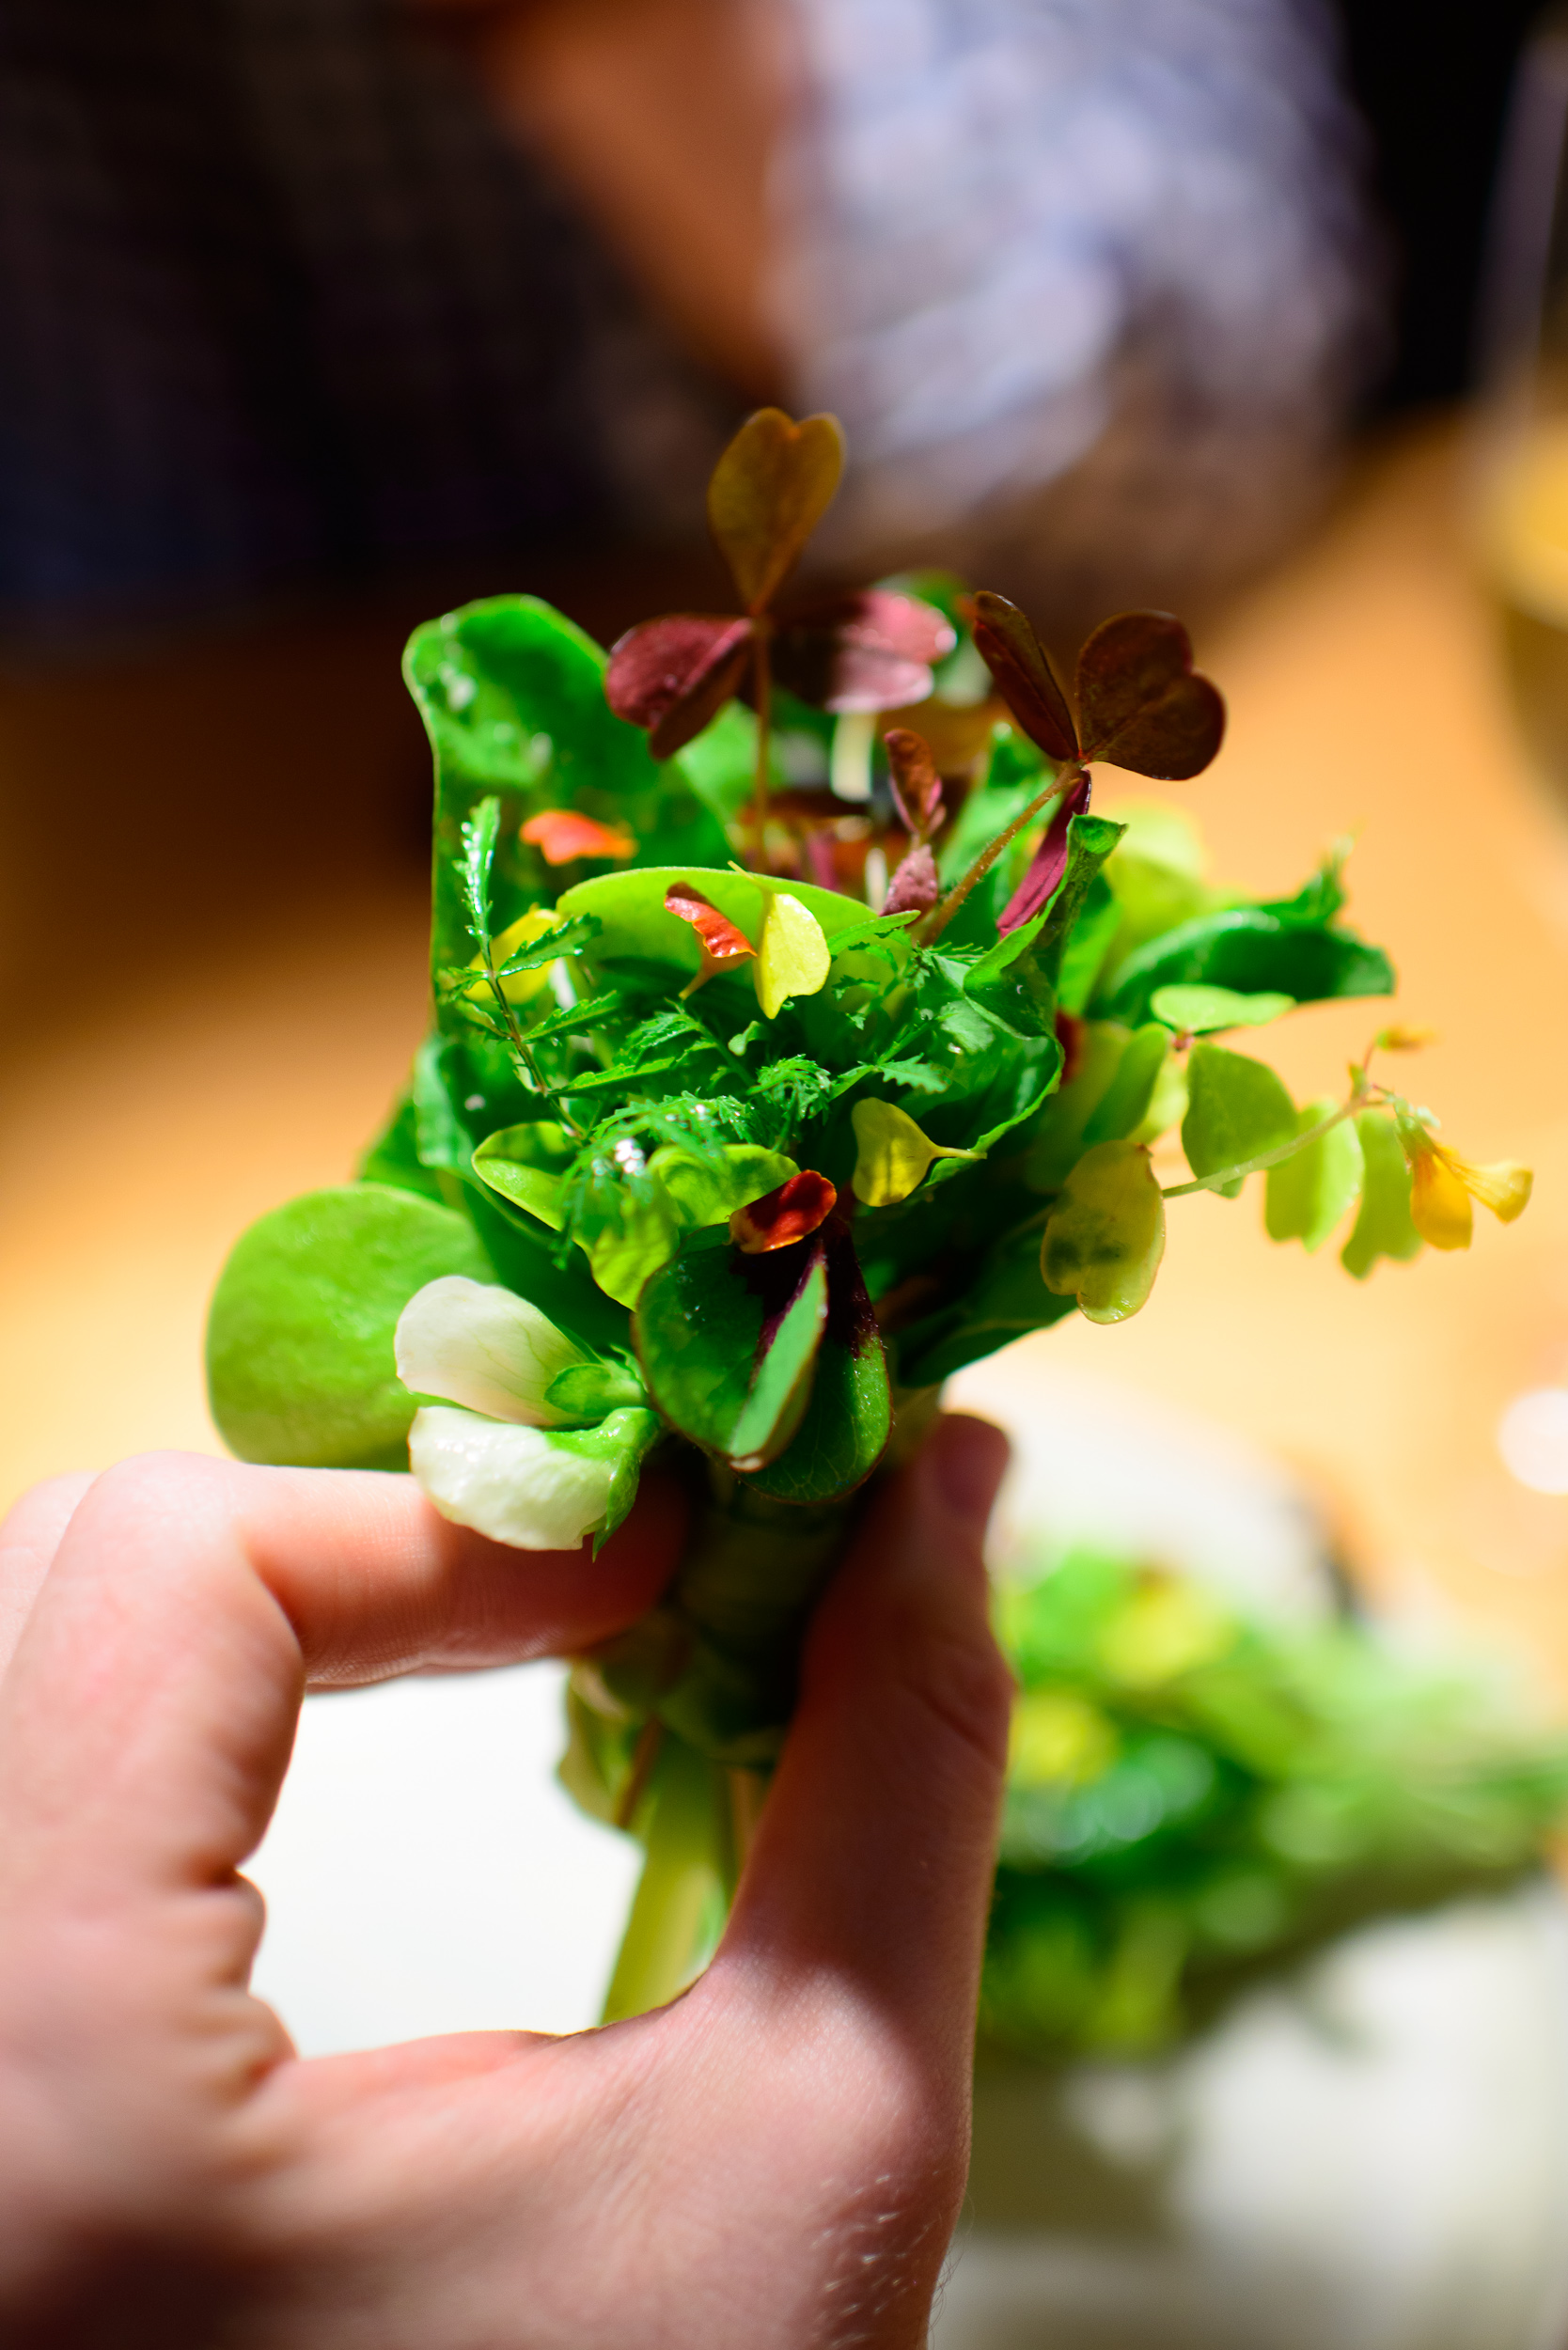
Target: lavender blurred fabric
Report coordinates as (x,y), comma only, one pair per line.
(1090,281)
(278,300)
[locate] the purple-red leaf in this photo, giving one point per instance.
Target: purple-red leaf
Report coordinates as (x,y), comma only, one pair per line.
(1141,702)
(866,653)
(781,1217)
(1012,653)
(1047,865)
(770,490)
(917,787)
(673,674)
(916,885)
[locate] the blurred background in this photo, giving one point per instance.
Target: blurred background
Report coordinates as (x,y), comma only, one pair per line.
(319,315)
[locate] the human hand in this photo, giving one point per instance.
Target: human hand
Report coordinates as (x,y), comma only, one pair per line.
(776,2159)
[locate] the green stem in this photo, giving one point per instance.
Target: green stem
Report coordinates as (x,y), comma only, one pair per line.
(682,1880)
(942,913)
(1275,1157)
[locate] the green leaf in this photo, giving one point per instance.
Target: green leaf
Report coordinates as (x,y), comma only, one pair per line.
(1237,1108)
(699,1328)
(1200,1011)
(1091,841)
(1251,950)
(479,854)
(588,1390)
(1087,946)
(567,938)
(1007,1298)
(1105,1235)
(1124,1104)
(394,1158)
(525,1165)
(678,1193)
(512,697)
(1306,1195)
(299,1339)
(638,928)
(1383,1229)
(623,1438)
(849,1416)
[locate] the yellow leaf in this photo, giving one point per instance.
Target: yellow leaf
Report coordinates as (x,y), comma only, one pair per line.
(1059,1738)
(894,1154)
(1440,1202)
(1105,1236)
(792,954)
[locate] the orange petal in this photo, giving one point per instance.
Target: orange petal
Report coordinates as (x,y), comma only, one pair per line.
(781,1217)
(1440,1202)
(561,836)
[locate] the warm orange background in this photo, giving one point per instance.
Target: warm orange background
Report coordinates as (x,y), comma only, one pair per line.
(214,909)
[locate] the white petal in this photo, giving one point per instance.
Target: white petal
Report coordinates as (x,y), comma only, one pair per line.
(483,1347)
(516,1484)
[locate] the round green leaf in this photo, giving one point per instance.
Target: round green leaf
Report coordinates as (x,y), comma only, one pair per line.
(1306,1195)
(1105,1235)
(1237,1108)
(299,1339)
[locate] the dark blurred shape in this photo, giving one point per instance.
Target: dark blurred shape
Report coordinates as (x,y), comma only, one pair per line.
(281,302)
(1433,82)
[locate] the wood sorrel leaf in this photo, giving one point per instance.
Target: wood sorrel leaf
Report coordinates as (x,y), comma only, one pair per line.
(790,1213)
(1048,863)
(1140,701)
(300,1362)
(1105,1235)
(1237,1108)
(1383,1227)
(1012,653)
(1201,1010)
(915,786)
(792,955)
(861,653)
(1306,1195)
(705,1329)
(561,837)
(893,1154)
(674,674)
(769,491)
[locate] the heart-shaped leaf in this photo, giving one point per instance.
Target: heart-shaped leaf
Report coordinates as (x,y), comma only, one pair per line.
(1307,1194)
(1105,1235)
(1048,863)
(769,491)
(1237,1108)
(861,653)
(1201,1010)
(892,1153)
(792,955)
(674,674)
(1140,701)
(1384,1227)
(1012,653)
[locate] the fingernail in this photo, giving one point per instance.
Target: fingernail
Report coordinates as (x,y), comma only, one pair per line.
(967,1459)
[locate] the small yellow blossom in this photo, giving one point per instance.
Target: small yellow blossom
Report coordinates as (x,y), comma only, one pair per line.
(1442,1186)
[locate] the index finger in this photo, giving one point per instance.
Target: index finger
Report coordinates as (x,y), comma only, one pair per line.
(147,1713)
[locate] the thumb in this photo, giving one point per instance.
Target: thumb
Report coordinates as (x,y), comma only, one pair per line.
(875,1853)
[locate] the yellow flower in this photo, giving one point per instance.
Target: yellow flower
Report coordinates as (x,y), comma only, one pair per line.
(1442,1184)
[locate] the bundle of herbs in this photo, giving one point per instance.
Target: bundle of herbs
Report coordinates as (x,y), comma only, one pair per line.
(801,1035)
(1198,1798)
